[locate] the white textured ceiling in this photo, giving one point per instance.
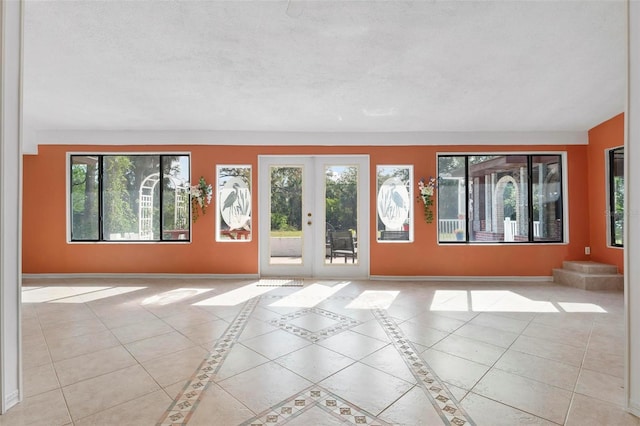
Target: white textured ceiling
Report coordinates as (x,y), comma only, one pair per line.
(323,66)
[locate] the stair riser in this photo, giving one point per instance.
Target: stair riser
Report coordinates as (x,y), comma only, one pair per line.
(586,268)
(609,283)
(569,278)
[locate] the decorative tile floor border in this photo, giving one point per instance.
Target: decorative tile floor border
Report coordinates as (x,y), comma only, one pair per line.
(296,282)
(183,406)
(344,323)
(315,396)
(324,299)
(443,401)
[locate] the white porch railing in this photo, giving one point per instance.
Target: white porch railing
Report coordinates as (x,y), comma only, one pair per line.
(511,229)
(448,226)
(536,228)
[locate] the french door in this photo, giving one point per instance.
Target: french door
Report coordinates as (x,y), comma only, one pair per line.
(303,200)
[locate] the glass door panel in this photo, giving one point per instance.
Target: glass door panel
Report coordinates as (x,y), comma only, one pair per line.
(306,203)
(286,216)
(341,214)
(286,232)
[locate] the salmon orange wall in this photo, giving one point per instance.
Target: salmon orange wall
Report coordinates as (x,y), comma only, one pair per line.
(45,247)
(602,138)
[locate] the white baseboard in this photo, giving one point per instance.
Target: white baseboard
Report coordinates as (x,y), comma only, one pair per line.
(461,278)
(140,276)
(257,276)
(12,399)
(634,409)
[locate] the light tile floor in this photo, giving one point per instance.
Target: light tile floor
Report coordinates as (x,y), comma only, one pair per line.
(211,352)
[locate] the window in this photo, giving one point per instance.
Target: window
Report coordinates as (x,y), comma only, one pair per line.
(129,197)
(616,196)
(394,204)
(233,220)
(500,198)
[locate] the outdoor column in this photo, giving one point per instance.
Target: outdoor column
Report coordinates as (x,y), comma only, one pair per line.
(10,202)
(494,207)
(488,200)
(632,212)
(542,195)
(475,220)
(523,218)
(462,202)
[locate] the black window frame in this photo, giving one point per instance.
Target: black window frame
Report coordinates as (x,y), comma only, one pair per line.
(612,214)
(100,218)
(530,208)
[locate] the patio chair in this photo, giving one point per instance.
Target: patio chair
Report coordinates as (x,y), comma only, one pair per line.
(327,242)
(342,244)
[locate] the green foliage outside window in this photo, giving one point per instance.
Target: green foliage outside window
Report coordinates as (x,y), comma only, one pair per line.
(616,195)
(106,196)
(286,199)
(341,206)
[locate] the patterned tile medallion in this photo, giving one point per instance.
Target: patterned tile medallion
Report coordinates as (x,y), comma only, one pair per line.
(342,323)
(183,406)
(314,396)
(443,401)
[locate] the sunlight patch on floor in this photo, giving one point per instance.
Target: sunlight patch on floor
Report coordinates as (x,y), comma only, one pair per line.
(502,301)
(371,299)
(581,307)
(450,300)
(513,302)
(78,294)
(174,296)
(310,296)
(237,296)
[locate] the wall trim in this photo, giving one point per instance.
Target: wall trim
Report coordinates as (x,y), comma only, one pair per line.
(257,276)
(634,409)
(461,278)
(11,182)
(208,137)
(138,276)
(12,399)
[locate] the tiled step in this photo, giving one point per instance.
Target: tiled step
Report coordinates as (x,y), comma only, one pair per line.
(593,281)
(588,267)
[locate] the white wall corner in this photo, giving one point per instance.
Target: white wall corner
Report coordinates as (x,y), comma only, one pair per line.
(10,202)
(632,211)
(12,399)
